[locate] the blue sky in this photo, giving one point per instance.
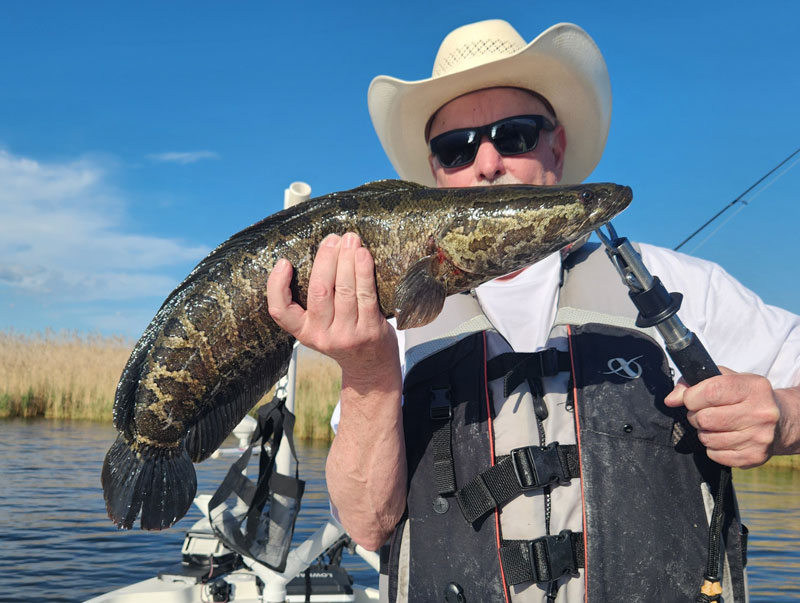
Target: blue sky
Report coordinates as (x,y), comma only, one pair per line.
(136,137)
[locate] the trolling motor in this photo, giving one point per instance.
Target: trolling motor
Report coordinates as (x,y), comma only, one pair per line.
(658,308)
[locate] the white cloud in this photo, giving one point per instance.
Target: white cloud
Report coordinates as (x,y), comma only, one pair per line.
(183,157)
(27,180)
(62,236)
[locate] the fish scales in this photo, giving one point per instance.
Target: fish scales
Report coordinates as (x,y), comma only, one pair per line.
(212,350)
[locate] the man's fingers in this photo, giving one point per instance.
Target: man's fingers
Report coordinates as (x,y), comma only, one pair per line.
(703,394)
(288,315)
(727,418)
(747,448)
(344,298)
(675,397)
(736,417)
(321,282)
(744,459)
(734,440)
(722,390)
(366,291)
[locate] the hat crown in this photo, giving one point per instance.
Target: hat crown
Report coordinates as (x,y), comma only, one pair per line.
(476,44)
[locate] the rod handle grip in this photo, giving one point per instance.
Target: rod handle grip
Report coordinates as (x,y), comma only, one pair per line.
(694,361)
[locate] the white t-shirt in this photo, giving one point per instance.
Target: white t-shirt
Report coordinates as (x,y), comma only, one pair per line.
(739,330)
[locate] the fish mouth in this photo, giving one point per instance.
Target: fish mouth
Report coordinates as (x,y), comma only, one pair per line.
(614,204)
(623,198)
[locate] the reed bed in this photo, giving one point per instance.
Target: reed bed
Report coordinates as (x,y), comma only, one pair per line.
(68,375)
(60,375)
(790,462)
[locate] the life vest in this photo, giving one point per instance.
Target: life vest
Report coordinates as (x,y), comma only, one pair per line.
(557,472)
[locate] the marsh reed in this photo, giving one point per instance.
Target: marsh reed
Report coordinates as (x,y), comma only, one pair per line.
(69,375)
(60,375)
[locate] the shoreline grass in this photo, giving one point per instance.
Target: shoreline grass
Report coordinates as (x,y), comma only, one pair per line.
(73,376)
(784,462)
(63,375)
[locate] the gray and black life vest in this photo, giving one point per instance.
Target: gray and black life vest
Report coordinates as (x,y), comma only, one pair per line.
(560,471)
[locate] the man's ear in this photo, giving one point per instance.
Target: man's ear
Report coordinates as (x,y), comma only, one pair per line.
(558,146)
(432,164)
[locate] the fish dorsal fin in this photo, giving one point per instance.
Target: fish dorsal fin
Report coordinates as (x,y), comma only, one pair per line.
(388,186)
(420,295)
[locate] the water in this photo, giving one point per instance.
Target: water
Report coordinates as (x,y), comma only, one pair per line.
(769,502)
(56,543)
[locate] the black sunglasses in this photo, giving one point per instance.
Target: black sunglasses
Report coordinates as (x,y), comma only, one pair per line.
(510,136)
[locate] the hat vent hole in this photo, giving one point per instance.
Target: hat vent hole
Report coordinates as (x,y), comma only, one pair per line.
(472,49)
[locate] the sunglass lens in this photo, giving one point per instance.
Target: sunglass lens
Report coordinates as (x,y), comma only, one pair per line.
(455,148)
(515,136)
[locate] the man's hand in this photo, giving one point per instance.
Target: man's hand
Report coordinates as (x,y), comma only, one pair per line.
(736,416)
(366,468)
(343,319)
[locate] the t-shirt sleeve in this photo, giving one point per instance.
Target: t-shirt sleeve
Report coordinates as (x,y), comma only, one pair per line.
(738,329)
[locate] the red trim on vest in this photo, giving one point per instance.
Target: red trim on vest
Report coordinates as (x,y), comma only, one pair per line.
(490,425)
(580,462)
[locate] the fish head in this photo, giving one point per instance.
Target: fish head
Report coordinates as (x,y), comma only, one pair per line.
(506,228)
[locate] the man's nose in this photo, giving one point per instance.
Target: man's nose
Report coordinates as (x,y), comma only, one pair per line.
(489,164)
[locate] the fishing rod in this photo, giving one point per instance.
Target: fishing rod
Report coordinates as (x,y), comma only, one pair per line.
(658,308)
(736,200)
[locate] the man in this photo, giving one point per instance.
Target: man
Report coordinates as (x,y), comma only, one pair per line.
(628,501)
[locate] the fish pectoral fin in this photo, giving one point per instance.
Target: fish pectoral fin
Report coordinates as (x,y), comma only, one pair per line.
(420,295)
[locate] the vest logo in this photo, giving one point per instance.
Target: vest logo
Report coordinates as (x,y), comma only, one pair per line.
(630,369)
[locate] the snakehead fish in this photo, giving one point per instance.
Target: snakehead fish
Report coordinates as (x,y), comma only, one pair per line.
(212,350)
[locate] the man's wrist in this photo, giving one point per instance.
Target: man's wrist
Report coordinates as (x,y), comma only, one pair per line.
(787,437)
(378,376)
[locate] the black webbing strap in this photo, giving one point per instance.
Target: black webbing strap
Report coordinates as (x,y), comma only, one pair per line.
(441,413)
(516,367)
(273,423)
(270,420)
(274,420)
(542,560)
(525,468)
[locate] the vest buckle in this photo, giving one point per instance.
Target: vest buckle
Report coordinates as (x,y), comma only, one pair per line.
(538,466)
(554,556)
(440,404)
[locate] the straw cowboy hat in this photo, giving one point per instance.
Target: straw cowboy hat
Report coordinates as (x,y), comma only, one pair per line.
(563,64)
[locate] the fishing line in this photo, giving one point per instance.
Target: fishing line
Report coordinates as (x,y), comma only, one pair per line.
(744,204)
(740,198)
(717,229)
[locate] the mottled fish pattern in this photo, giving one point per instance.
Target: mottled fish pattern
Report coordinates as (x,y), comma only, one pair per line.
(212,350)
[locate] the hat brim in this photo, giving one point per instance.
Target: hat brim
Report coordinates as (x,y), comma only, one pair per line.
(563,64)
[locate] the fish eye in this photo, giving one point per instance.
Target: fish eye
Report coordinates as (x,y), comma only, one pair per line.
(587,195)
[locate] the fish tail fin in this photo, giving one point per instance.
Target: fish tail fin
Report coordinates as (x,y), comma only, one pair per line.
(159,482)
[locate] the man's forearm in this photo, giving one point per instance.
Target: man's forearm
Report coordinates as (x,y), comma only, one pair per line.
(366,467)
